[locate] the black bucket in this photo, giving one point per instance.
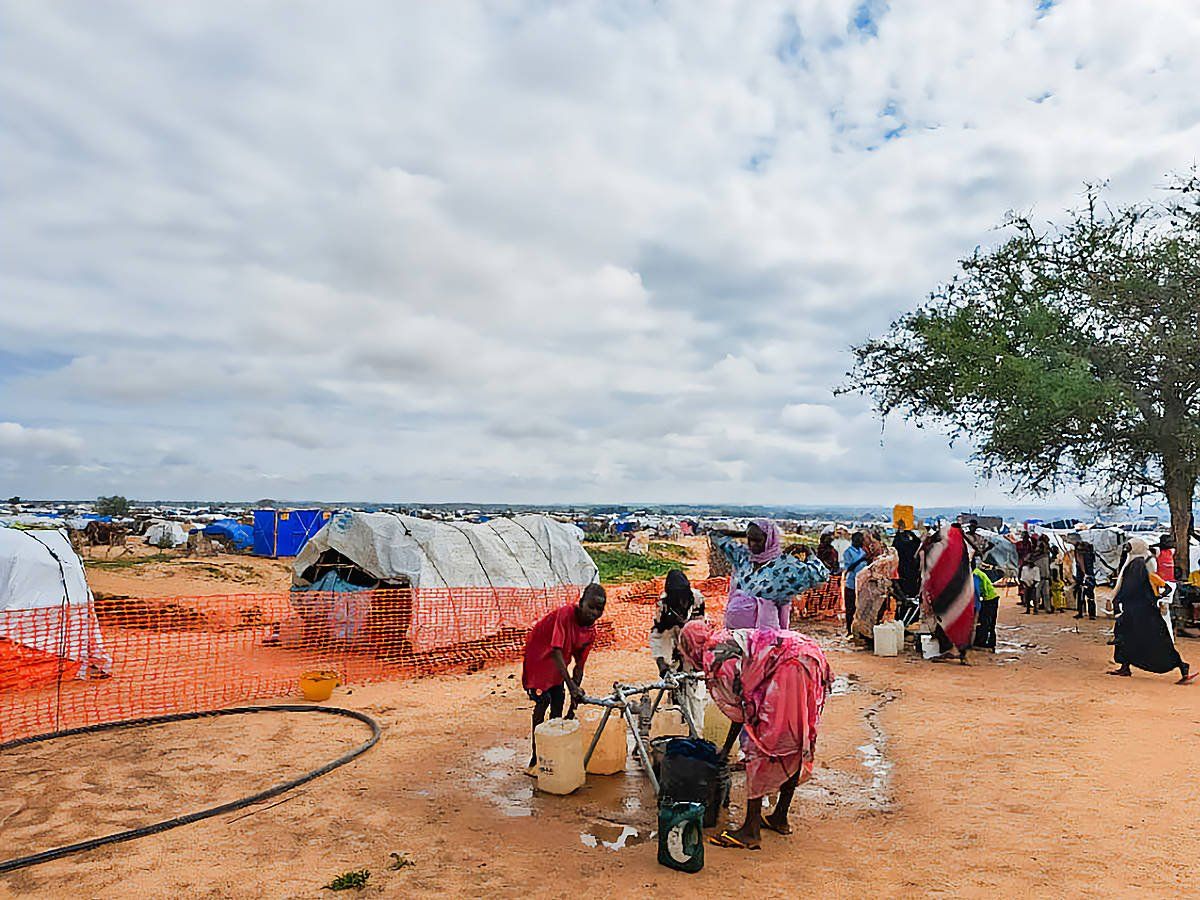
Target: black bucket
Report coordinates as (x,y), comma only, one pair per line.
(691,772)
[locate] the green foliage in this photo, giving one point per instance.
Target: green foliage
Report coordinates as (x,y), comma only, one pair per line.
(354,880)
(128,562)
(617,566)
(670,551)
(115,505)
(1065,354)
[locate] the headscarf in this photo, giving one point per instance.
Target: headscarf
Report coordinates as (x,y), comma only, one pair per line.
(774,545)
(677,600)
(1138,550)
(1138,547)
(693,638)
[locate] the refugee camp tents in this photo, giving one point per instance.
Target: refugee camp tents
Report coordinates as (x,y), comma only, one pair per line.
(281,532)
(528,551)
(166,534)
(48,627)
(472,581)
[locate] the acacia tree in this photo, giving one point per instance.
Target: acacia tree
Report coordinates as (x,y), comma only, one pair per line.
(1068,354)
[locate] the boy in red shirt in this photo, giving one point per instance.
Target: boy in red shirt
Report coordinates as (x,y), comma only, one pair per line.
(564,634)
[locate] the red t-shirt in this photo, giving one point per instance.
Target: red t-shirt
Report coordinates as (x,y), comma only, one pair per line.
(1166,565)
(560,630)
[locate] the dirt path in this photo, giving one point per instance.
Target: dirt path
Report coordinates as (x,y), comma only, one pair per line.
(1028,771)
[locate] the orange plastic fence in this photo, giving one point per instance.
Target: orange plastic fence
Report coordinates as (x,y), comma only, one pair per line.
(180,654)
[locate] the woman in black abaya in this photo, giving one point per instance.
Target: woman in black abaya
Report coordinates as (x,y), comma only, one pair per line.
(1141,635)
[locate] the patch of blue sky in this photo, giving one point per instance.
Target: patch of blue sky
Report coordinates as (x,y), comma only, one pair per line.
(13,364)
(790,49)
(867,14)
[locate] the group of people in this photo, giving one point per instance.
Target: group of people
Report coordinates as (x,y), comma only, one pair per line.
(772,682)
(950,591)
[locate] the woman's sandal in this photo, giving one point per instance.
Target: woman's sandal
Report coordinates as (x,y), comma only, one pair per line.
(1189,678)
(785,830)
(1120,673)
(725,839)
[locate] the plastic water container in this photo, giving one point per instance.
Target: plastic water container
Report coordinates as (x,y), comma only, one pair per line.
(559,757)
(930,648)
(680,837)
(716,724)
(888,639)
(609,756)
(668,721)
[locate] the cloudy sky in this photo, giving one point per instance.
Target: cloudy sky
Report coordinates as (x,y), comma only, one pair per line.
(505,251)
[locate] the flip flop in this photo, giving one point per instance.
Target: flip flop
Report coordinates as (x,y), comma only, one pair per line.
(1121,674)
(1189,678)
(725,839)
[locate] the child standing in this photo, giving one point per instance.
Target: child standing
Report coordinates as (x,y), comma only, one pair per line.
(989,607)
(566,633)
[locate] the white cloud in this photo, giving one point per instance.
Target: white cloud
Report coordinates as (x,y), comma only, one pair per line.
(526,252)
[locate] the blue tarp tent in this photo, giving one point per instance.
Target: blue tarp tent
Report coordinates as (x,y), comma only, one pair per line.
(280,532)
(233,531)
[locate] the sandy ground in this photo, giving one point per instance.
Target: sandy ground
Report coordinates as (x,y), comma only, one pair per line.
(1028,770)
(140,573)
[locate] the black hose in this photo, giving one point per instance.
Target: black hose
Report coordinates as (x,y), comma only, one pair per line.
(33,859)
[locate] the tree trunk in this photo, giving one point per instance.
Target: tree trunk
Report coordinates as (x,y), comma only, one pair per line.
(1180,488)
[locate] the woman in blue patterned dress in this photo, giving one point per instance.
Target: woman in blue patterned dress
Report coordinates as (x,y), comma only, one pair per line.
(765,579)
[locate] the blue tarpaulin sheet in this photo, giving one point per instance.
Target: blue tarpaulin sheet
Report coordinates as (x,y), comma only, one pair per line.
(283,532)
(241,536)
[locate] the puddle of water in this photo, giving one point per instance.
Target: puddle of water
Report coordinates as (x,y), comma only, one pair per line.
(612,836)
(844,684)
(503,784)
(497,755)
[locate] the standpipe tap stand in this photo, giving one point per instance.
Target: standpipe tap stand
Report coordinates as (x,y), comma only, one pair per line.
(618,701)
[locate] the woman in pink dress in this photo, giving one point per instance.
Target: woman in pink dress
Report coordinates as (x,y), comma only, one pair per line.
(772,685)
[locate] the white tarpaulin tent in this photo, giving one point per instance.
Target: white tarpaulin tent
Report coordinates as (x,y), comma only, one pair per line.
(166,534)
(523,552)
(457,569)
(45,603)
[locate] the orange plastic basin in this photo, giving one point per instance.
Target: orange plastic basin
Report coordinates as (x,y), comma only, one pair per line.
(318,685)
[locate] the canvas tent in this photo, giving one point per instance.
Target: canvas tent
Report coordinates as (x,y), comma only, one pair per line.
(528,551)
(48,626)
(166,534)
(471,580)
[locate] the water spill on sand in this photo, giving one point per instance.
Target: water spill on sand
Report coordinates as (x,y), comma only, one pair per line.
(613,836)
(510,790)
(497,755)
(838,788)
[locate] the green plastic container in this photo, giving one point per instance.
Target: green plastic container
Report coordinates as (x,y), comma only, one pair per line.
(681,836)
